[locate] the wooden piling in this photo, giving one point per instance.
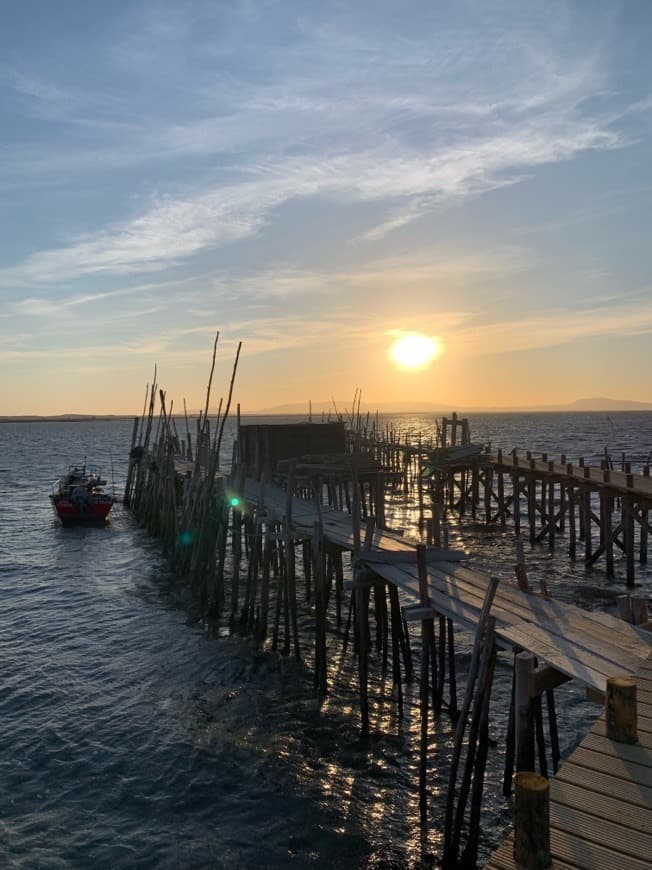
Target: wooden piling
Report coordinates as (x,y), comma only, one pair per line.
(524,664)
(532,821)
(620,710)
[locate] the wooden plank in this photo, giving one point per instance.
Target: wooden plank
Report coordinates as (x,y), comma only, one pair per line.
(613,765)
(625,813)
(644,735)
(635,640)
(409,557)
(598,627)
(523,635)
(580,852)
(597,740)
(625,789)
(601,832)
(503,859)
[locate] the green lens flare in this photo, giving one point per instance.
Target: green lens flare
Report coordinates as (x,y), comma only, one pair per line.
(235,501)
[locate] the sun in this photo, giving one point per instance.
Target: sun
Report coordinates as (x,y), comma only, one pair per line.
(414,351)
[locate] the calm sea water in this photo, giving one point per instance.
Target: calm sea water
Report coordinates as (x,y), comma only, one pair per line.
(134,736)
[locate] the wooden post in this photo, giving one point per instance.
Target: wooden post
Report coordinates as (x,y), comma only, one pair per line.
(645,519)
(460,726)
(520,569)
(562,499)
(397,632)
(362,606)
(552,527)
(532,821)
(524,663)
(572,530)
(516,502)
(130,468)
(380,500)
(586,511)
(427,639)
(620,710)
(624,605)
(531,506)
(488,483)
(606,505)
(628,536)
(639,608)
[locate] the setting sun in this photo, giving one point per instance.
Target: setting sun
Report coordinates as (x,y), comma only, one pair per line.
(414,351)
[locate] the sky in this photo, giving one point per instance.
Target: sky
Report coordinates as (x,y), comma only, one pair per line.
(316,180)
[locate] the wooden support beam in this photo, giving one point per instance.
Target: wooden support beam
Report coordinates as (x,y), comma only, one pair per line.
(410,557)
(542,679)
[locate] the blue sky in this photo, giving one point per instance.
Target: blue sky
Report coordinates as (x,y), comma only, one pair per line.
(314,180)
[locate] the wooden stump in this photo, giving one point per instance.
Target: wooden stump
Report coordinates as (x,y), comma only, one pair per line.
(532,821)
(620,709)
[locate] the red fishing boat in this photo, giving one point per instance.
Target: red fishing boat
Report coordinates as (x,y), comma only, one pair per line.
(79,496)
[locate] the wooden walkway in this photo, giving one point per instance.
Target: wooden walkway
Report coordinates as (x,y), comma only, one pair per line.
(620,482)
(601,799)
(583,645)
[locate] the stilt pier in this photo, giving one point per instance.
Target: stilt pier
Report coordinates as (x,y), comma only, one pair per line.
(312,500)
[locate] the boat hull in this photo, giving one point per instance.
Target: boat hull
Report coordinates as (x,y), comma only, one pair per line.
(94,510)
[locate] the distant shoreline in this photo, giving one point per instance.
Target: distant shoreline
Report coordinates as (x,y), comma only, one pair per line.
(316,415)
(65,418)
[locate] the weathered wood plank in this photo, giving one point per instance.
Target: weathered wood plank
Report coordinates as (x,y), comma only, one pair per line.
(629,814)
(602,833)
(613,765)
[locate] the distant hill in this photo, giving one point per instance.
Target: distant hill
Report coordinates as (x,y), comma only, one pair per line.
(345,405)
(599,403)
(595,403)
(63,418)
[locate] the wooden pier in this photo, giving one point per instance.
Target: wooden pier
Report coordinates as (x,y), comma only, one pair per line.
(598,512)
(552,643)
(601,799)
(241,541)
(581,644)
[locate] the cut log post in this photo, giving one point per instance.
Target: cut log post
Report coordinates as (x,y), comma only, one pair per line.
(620,710)
(532,821)
(624,605)
(640,613)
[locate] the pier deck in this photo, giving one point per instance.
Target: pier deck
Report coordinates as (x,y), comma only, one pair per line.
(583,645)
(601,799)
(619,482)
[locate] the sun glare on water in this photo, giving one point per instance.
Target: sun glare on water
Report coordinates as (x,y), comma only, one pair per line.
(414,351)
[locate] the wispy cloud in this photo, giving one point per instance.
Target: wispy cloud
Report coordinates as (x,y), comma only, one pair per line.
(407,121)
(553,327)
